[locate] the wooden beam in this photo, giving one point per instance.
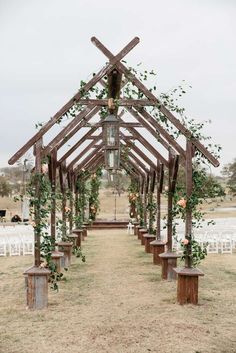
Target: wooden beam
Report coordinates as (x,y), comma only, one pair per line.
(189,189)
(148,119)
(119,102)
(78,144)
(85,150)
(137,160)
(52,177)
(63,178)
(160,176)
(145,124)
(98,161)
(122,124)
(138,151)
(86,159)
(81,124)
(71,200)
(146,144)
(37,215)
(172,177)
(61,135)
(129,169)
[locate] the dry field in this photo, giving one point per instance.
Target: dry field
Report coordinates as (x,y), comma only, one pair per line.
(107,206)
(116,302)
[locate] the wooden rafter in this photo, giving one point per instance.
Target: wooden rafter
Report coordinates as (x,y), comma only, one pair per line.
(86,159)
(84,151)
(87,136)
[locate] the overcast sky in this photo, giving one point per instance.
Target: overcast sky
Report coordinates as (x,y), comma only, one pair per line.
(46,51)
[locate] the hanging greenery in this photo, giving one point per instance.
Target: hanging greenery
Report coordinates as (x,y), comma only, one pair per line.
(40,210)
(82,199)
(133,195)
(140,210)
(151,208)
(95,183)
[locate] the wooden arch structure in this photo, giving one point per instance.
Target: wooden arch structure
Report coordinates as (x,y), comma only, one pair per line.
(145,160)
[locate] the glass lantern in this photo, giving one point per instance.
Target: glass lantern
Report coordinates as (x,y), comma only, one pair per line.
(110,127)
(112,159)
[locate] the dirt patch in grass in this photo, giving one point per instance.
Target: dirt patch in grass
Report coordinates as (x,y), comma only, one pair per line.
(116,302)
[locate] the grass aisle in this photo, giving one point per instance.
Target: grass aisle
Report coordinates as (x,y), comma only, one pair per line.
(117,303)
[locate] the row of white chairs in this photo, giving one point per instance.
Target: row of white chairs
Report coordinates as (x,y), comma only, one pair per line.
(215,245)
(16,245)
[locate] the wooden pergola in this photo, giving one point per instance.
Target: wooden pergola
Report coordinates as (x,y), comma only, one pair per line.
(145,161)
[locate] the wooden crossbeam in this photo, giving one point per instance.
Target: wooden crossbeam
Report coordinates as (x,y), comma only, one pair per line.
(95,160)
(187,133)
(87,136)
(131,168)
(85,150)
(81,124)
(161,131)
(122,124)
(119,102)
(52,176)
(145,124)
(96,78)
(137,160)
(134,165)
(151,149)
(86,159)
(172,178)
(61,135)
(153,180)
(138,151)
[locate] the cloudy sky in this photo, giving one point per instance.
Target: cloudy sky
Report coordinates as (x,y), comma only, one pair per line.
(46,51)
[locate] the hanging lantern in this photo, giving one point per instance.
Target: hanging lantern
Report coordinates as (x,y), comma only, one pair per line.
(111,142)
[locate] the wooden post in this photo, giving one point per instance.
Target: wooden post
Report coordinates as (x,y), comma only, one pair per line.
(70,185)
(169,258)
(150,200)
(158,246)
(38,148)
(189,187)
(52,175)
(160,177)
(170,204)
(187,288)
(145,191)
(63,191)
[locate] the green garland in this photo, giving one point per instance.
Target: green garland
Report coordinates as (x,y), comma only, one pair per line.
(95,183)
(40,210)
(133,195)
(151,208)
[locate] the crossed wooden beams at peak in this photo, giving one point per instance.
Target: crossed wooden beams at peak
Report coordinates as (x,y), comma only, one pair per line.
(135,107)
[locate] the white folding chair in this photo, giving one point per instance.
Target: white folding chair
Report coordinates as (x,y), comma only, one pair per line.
(130,228)
(3,247)
(213,247)
(226,246)
(14,246)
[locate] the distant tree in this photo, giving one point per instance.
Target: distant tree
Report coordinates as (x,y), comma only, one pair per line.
(5,188)
(118,182)
(229,171)
(212,187)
